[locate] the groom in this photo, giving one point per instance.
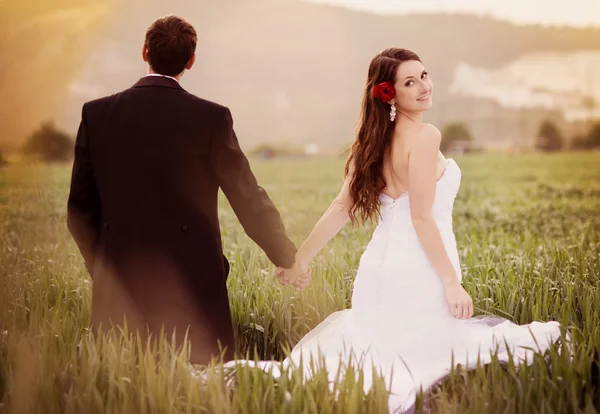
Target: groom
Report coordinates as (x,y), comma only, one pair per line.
(149,162)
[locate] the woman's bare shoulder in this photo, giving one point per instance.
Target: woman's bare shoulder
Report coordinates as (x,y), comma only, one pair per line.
(426,138)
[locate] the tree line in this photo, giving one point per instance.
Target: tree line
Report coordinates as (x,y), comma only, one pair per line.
(51,144)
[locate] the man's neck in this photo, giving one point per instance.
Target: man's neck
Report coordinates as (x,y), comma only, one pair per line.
(152,73)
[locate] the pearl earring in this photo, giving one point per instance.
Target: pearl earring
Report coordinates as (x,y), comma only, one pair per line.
(393,113)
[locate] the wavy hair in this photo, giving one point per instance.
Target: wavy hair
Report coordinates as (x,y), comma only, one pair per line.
(375,131)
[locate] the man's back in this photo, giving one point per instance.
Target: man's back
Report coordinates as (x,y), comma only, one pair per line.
(143,210)
(150,149)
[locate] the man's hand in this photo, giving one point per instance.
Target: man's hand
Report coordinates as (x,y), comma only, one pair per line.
(299,276)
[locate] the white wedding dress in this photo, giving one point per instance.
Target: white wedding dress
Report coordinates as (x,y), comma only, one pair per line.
(400,322)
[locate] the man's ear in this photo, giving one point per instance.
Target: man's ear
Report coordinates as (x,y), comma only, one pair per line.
(144,52)
(191,62)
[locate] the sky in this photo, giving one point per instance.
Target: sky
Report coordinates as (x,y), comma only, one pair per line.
(547,12)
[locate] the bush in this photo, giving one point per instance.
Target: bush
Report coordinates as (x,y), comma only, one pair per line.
(593,138)
(590,140)
(264,151)
(549,137)
(267,151)
(49,144)
(580,142)
(454,133)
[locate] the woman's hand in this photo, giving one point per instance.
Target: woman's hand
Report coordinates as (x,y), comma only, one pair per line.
(461,304)
(299,276)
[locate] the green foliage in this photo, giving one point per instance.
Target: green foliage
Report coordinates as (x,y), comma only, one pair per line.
(593,138)
(49,144)
(549,137)
(266,151)
(453,133)
(590,140)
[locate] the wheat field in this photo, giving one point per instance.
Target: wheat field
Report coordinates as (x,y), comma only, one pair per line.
(528,233)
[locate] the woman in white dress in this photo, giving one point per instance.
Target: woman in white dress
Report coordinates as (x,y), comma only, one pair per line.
(410,315)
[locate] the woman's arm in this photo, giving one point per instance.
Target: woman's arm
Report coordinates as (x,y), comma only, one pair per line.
(328,226)
(422,177)
(422,182)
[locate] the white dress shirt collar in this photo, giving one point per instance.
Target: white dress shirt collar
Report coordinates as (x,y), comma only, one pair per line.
(163,76)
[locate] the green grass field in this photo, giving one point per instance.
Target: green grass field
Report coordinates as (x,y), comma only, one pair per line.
(528,232)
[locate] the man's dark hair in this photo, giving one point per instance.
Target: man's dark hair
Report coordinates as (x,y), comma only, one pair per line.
(171,42)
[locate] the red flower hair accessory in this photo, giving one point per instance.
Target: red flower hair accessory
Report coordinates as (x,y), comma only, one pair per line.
(384,91)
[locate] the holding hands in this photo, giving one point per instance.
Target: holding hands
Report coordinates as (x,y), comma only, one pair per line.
(298,276)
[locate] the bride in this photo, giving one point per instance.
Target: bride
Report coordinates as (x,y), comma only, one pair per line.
(410,318)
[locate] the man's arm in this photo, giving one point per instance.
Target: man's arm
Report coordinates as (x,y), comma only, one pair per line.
(83,208)
(253,207)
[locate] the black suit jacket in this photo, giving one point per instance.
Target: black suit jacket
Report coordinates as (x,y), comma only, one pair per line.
(149,162)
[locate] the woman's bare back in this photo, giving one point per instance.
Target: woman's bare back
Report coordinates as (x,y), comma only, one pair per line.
(395,166)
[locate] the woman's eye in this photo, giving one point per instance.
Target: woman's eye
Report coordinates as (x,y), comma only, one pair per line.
(409,83)
(424,75)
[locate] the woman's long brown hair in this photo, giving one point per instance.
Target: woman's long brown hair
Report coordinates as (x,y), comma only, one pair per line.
(375,131)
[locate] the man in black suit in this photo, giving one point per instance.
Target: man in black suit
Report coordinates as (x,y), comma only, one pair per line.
(149,162)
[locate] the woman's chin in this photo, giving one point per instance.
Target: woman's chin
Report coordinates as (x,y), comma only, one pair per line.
(423,106)
(426,105)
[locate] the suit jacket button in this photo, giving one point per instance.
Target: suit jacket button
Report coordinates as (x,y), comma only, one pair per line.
(106,226)
(184,228)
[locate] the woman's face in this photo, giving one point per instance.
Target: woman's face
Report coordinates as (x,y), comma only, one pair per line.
(413,86)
